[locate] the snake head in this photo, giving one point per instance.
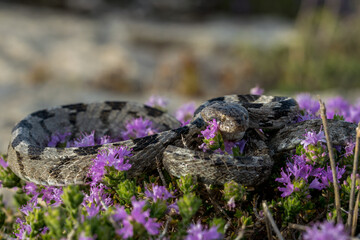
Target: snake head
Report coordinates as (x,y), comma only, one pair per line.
(232,117)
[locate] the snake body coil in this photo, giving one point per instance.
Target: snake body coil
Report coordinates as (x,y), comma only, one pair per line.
(31,159)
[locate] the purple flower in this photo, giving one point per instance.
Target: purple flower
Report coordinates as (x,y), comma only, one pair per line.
(185,112)
(336,105)
(58,138)
(313,138)
(105,139)
(197,232)
(326,231)
(287,190)
(97,194)
(109,157)
(44,230)
(138,128)
(3,163)
(306,102)
(231,203)
(211,129)
(51,193)
(157,101)
(138,215)
(30,188)
(315,184)
(349,148)
(256,90)
(26,209)
(353,114)
(93,210)
(116,157)
(327,174)
(84,140)
(158,192)
(23,229)
(230,145)
(305,117)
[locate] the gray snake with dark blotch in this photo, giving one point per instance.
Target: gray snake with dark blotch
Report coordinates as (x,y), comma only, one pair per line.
(175,146)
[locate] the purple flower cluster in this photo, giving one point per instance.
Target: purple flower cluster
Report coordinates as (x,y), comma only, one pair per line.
(326,231)
(138,128)
(185,113)
(209,134)
(349,149)
(301,175)
(58,138)
(313,138)
(157,102)
(334,106)
(112,157)
(308,103)
(3,163)
(257,90)
(23,229)
(158,192)
(198,232)
(137,215)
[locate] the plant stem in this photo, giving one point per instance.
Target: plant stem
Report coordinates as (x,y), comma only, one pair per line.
(271,220)
(332,161)
(355,216)
(353,180)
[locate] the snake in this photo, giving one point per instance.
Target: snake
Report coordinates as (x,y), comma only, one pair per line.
(175,147)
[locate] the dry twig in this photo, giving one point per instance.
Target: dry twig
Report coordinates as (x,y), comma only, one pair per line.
(332,160)
(353,180)
(355,216)
(271,220)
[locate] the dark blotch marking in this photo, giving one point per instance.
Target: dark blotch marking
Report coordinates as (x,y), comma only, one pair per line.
(72,118)
(79,107)
(82,151)
(153,112)
(104,116)
(34,151)
(280,112)
(55,171)
(141,143)
(218,99)
(199,123)
(35,157)
(22,124)
(277,99)
(21,165)
(34,139)
(43,114)
(42,124)
(116,105)
(167,127)
(247,98)
(18,139)
(181,130)
(265,124)
(133,114)
(252,105)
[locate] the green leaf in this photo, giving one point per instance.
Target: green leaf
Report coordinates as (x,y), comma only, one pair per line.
(188,206)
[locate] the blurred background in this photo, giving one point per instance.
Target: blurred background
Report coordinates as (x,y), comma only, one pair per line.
(57,52)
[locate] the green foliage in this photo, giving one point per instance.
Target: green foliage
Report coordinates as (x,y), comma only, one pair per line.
(234,189)
(188,206)
(186,184)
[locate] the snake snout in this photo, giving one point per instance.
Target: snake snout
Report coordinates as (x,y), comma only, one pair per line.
(233,118)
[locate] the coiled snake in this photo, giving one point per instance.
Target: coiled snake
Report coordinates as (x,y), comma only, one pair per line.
(177,147)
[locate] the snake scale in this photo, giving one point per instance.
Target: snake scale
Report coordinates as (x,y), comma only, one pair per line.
(175,146)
